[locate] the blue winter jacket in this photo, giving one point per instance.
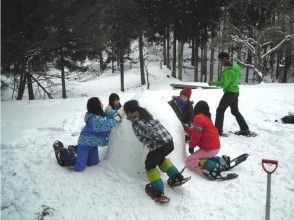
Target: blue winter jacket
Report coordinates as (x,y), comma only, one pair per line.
(96,131)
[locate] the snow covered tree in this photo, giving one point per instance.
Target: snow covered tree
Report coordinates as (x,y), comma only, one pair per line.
(250,25)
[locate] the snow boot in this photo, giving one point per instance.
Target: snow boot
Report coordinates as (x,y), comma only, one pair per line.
(245,132)
(156,195)
(58,148)
(210,168)
(72,149)
(224,162)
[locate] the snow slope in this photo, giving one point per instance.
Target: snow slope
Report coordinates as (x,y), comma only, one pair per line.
(34,186)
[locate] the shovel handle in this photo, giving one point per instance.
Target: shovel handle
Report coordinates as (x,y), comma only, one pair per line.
(267,161)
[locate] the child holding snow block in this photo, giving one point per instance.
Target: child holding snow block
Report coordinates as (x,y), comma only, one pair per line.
(114,102)
(95,133)
(114,107)
(159,142)
(204,135)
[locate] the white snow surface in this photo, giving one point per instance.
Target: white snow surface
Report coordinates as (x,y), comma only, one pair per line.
(34,186)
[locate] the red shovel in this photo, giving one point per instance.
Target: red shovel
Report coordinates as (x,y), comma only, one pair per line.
(268,190)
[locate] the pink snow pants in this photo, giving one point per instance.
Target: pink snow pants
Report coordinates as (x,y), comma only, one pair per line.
(192,161)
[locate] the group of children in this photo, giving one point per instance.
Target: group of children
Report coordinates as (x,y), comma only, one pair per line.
(197,123)
(151,133)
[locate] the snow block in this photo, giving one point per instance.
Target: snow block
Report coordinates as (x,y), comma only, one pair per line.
(128,154)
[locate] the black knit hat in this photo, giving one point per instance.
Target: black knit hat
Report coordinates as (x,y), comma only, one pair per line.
(222,55)
(131,106)
(201,107)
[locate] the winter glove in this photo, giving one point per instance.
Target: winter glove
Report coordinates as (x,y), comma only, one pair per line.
(117,118)
(191,150)
(120,112)
(185,126)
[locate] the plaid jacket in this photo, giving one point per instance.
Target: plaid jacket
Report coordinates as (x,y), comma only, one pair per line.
(152,133)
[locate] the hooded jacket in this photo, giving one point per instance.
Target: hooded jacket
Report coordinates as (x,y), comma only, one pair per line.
(185,114)
(96,131)
(230,78)
(203,133)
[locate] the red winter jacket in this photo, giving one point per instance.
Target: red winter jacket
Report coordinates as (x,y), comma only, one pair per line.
(203,133)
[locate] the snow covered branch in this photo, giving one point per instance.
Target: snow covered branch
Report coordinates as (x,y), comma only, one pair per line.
(251,66)
(245,42)
(287,38)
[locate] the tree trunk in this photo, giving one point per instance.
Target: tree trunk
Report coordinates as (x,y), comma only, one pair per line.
(211,64)
(180,58)
(30,87)
(174,55)
(272,62)
(167,48)
(205,62)
(202,60)
(219,68)
(141,60)
(288,50)
(278,64)
(196,47)
(164,51)
(265,60)
(112,66)
(63,80)
(101,62)
(249,60)
(193,52)
(22,84)
(121,61)
(112,60)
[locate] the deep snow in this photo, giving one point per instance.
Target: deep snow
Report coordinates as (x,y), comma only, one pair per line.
(32,181)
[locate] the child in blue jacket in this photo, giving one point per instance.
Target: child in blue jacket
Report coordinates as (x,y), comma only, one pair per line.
(114,107)
(95,133)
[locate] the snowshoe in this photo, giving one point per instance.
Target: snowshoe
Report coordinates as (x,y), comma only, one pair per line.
(246,133)
(236,161)
(224,163)
(217,175)
(224,135)
(58,147)
(228,176)
(157,196)
(178,181)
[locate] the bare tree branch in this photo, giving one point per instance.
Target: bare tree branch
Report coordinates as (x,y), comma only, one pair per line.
(48,94)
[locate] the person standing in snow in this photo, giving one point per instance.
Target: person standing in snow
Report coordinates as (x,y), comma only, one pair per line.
(94,134)
(230,80)
(158,140)
(204,135)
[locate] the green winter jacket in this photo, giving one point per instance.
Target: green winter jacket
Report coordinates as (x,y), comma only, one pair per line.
(230,78)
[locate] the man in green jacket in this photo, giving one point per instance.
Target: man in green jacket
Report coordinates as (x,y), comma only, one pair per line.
(230,80)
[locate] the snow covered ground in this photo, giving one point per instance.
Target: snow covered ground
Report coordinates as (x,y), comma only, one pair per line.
(34,186)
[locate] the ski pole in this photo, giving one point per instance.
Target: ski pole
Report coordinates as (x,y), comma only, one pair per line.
(268,189)
(183,170)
